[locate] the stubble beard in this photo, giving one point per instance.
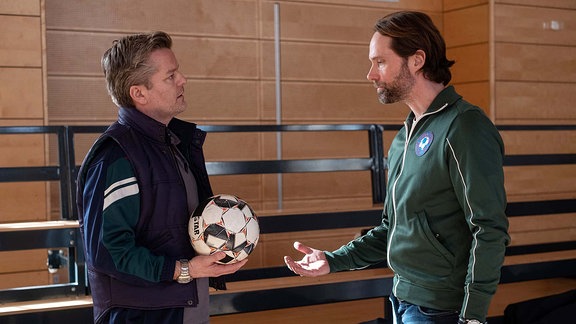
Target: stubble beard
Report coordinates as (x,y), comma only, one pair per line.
(398,89)
(180,106)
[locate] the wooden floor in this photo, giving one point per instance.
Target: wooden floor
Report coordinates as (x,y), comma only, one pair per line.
(345,312)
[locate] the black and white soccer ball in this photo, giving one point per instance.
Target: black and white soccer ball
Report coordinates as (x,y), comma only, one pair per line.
(224,223)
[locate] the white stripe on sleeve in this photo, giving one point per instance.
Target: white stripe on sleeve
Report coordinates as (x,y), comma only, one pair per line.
(112,195)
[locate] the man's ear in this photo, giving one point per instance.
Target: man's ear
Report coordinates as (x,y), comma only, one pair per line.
(138,94)
(417,60)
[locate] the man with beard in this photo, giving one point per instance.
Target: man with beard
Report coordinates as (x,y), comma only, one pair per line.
(443,230)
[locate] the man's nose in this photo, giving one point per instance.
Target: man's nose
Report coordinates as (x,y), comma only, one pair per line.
(182,78)
(372,76)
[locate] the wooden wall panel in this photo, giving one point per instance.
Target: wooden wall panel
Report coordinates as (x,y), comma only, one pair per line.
(20,8)
(24,279)
(535,102)
(198,57)
(316,62)
(301,191)
(328,102)
(22,122)
(424,5)
(21,41)
(209,102)
(21,93)
(222,101)
(233,146)
(534,76)
(322,22)
(532,86)
(540,182)
(225,50)
(525,259)
(227,101)
(344,312)
(314,197)
(217,58)
(527,224)
(281,244)
(312,191)
(247,187)
(466,32)
(477,93)
(466,26)
(450,5)
(520,291)
(76,53)
(21,104)
(24,150)
(231,18)
(65,108)
(25,260)
(472,63)
(565,4)
(543,229)
(539,142)
(310,145)
(324,187)
(23,202)
(527,62)
(521,24)
(212,49)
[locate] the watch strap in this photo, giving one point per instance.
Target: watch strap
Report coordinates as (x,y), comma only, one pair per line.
(469,321)
(184,276)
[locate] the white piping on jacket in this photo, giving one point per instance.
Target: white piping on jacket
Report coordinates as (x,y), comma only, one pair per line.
(474,235)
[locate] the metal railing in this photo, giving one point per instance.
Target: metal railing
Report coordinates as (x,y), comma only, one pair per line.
(66,169)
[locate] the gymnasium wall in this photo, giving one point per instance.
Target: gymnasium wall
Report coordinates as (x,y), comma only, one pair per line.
(534,77)
(22,102)
(226,51)
(511,60)
(534,80)
(50,75)
(507,63)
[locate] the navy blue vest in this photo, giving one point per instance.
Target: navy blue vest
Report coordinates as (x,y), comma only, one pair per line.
(163,221)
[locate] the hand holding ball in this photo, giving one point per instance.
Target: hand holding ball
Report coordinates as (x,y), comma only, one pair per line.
(224,223)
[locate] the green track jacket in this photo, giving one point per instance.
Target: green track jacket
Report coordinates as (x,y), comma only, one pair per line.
(444,230)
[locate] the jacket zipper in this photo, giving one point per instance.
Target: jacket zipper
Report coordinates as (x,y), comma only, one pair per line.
(396,182)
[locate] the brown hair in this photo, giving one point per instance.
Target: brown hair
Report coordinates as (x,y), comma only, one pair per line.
(411,31)
(125,64)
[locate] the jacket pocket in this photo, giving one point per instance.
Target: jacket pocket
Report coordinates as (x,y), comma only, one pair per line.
(433,238)
(419,256)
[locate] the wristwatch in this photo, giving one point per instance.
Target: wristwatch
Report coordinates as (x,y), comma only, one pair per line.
(469,321)
(184,276)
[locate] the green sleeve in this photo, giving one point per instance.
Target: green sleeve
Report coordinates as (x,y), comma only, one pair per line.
(120,215)
(362,252)
(476,169)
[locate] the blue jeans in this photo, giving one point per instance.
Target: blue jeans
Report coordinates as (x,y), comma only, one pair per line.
(406,313)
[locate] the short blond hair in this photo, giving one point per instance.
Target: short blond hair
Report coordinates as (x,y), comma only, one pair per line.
(125,64)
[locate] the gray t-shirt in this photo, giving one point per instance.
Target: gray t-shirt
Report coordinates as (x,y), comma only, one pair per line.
(201,313)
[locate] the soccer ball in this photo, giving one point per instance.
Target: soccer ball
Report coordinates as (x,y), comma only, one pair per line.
(224,223)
